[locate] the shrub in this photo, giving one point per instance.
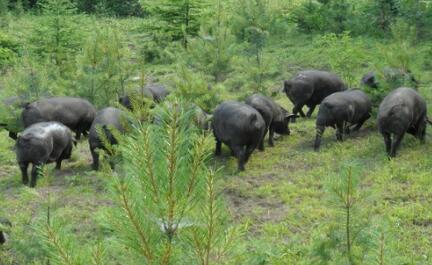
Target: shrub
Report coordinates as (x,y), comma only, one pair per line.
(178,19)
(28,80)
(166,205)
(195,88)
(8,50)
(346,239)
(56,38)
(394,69)
(214,50)
(307,17)
(323,16)
(342,54)
(103,67)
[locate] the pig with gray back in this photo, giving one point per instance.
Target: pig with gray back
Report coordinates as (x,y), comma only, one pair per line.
(75,113)
(239,126)
(342,110)
(402,111)
(276,118)
(42,143)
(106,120)
(310,88)
(155,92)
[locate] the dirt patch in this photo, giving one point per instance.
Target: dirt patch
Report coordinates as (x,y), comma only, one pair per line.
(260,210)
(258,181)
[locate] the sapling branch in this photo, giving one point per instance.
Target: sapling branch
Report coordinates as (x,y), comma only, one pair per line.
(145,248)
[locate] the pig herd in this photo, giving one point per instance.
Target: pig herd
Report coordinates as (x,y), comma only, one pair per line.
(50,122)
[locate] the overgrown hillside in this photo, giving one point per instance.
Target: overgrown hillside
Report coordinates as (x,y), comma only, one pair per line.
(346,204)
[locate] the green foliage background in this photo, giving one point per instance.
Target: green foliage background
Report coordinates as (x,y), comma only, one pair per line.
(290,206)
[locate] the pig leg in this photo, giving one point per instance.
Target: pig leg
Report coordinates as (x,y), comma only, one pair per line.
(347,129)
(421,131)
(95,156)
(339,131)
(271,135)
(319,133)
(34,174)
(261,144)
(24,166)
(311,110)
(58,163)
(298,109)
(241,156)
(422,135)
(360,123)
(218,149)
(387,142)
(395,145)
(249,150)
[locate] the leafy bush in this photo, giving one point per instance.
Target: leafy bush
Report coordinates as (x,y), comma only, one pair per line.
(103,67)
(394,69)
(8,50)
(419,15)
(4,5)
(6,57)
(214,50)
(323,16)
(29,81)
(10,116)
(307,17)
(342,54)
(166,206)
(177,19)
(251,17)
(381,13)
(56,38)
(195,88)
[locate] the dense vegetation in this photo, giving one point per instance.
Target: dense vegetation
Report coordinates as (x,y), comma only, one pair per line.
(347,204)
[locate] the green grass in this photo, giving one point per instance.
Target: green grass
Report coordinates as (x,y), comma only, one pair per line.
(281,198)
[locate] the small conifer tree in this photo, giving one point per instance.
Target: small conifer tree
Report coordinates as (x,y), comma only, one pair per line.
(166,204)
(104,67)
(214,49)
(347,239)
(179,19)
(56,38)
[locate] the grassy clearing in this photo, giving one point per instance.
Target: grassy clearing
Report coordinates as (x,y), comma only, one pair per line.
(282,197)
